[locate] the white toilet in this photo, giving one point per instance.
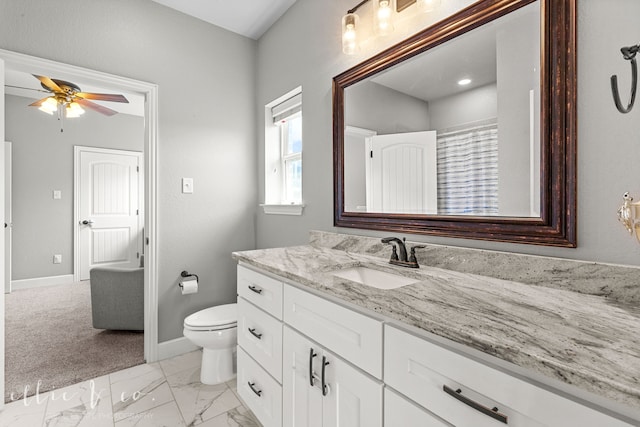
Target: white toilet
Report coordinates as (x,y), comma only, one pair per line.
(215,330)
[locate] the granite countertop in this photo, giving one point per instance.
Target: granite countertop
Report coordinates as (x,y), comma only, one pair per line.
(579,339)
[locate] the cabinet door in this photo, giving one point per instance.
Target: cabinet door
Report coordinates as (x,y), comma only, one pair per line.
(398,411)
(352,398)
(302,402)
(355,337)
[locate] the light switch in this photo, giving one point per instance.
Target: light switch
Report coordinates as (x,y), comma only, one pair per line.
(187,185)
(57,194)
(57,259)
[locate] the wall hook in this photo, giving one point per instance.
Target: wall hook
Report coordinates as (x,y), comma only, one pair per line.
(629,53)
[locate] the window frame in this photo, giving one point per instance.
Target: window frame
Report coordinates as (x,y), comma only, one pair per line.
(275,190)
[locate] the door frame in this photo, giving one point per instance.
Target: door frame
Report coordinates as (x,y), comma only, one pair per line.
(77,150)
(32,64)
(8,164)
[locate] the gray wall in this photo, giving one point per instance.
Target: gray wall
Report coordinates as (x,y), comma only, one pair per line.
(206,79)
(609,143)
(472,105)
(515,41)
(375,107)
(43,162)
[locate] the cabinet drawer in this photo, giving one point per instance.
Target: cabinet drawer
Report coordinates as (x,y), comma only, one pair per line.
(260,335)
(420,370)
(261,393)
(352,336)
(398,411)
(261,290)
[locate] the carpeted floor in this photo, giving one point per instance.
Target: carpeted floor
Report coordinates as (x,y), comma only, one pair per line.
(49,339)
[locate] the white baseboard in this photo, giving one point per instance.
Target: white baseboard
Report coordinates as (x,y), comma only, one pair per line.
(176,347)
(38,282)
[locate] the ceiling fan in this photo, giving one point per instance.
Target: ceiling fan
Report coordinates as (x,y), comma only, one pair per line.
(67,99)
(66,93)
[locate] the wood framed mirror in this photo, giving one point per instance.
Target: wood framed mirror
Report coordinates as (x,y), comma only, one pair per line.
(526,191)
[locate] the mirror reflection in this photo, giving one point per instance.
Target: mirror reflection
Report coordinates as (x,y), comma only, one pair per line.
(452,131)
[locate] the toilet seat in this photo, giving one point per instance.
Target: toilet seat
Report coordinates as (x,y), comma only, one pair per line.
(213,318)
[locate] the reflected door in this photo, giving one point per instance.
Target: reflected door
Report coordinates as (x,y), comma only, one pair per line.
(402,173)
(108,199)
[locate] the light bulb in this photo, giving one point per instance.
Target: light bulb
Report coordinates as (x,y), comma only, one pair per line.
(74,110)
(349,34)
(384,14)
(427,5)
(49,106)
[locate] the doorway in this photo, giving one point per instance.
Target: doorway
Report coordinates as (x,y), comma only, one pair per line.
(108,213)
(41,66)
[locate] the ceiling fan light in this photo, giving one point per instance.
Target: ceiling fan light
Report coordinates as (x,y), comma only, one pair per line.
(75,107)
(45,110)
(49,106)
(74,110)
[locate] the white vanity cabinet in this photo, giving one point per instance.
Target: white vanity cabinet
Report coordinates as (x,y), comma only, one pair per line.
(465,392)
(259,375)
(306,361)
(322,390)
(287,379)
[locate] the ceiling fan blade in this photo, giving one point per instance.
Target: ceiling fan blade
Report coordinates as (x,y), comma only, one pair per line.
(48,83)
(96,107)
(102,97)
(39,102)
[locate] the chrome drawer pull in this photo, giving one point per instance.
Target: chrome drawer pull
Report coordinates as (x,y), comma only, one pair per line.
(253,332)
(258,392)
(311,374)
(255,289)
(493,413)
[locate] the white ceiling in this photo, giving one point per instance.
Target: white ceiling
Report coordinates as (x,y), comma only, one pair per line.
(250,18)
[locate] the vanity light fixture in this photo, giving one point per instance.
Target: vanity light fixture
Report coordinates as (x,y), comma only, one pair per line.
(383,17)
(349,33)
(383,14)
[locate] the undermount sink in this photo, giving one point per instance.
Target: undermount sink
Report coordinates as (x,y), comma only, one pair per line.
(374,278)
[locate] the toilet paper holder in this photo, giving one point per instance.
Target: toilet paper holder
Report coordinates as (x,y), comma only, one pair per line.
(187,274)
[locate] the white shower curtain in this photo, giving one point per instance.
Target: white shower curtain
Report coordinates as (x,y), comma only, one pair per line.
(468,171)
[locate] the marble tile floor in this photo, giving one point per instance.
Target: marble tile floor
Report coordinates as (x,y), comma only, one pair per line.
(164,394)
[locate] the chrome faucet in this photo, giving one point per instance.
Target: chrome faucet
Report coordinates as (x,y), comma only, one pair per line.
(402,260)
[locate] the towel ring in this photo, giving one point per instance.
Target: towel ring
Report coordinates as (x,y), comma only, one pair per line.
(629,54)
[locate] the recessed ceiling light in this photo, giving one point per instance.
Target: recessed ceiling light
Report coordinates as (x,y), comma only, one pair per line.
(464,82)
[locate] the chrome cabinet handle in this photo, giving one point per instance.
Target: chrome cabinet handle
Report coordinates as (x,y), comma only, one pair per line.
(491,412)
(312,354)
(255,289)
(325,386)
(254,333)
(257,392)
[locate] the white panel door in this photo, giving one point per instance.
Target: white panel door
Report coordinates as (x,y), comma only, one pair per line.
(402,173)
(352,399)
(301,401)
(7,217)
(108,203)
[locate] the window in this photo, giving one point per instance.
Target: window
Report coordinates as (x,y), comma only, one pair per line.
(283,154)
